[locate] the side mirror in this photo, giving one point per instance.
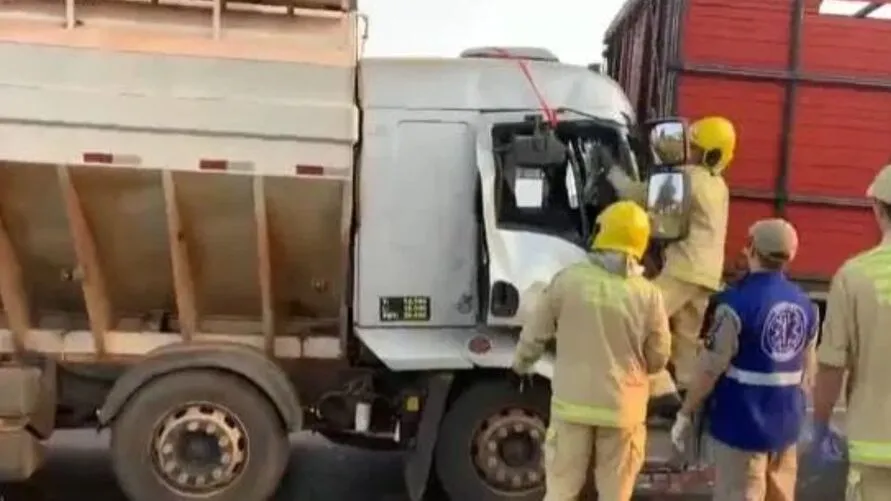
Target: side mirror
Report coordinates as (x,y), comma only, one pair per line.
(668,204)
(668,141)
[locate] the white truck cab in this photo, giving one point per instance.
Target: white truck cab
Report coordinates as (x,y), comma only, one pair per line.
(466,204)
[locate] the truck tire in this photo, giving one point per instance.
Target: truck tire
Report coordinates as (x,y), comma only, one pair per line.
(199,433)
(489,443)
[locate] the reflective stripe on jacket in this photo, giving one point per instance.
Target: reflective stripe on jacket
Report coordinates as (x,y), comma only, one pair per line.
(870,453)
(856,338)
(611,332)
(584,414)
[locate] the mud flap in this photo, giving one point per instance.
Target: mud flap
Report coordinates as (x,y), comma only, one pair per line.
(420,458)
(27,415)
(28,395)
(21,454)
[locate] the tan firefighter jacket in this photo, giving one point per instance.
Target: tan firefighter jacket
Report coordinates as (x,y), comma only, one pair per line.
(611,332)
(698,258)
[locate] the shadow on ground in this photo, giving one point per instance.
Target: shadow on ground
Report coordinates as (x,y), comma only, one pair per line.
(78,468)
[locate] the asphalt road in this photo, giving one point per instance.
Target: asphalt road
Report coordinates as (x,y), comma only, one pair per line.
(78,468)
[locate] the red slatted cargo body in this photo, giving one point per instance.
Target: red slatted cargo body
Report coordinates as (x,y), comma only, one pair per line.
(810,94)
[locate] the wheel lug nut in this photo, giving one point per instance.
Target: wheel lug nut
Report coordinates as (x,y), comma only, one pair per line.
(182,478)
(217,473)
(167,448)
(492,446)
(192,426)
(501,475)
(211,429)
(169,466)
(502,433)
(492,462)
(225,458)
(516,481)
(223,442)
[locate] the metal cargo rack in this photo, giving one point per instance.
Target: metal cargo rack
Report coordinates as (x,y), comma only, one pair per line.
(167,25)
(253,256)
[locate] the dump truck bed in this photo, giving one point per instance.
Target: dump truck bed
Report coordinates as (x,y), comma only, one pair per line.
(810,94)
(175,171)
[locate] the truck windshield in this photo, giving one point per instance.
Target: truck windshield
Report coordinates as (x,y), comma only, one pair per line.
(561,187)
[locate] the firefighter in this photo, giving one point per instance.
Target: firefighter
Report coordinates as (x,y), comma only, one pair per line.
(856,339)
(756,373)
(693,266)
(611,330)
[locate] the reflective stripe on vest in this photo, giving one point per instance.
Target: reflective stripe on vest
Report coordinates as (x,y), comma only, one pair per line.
(764,378)
(876,453)
(584,414)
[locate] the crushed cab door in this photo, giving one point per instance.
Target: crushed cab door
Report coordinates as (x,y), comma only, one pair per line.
(522,253)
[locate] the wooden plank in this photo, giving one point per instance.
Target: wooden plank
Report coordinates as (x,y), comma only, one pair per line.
(264,262)
(95,292)
(70,14)
(77,346)
(217,19)
(183,278)
(326,38)
(12,291)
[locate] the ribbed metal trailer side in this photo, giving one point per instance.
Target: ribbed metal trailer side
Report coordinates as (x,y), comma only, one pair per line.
(806,91)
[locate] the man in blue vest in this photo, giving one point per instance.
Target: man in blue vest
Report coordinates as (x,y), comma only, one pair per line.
(756,373)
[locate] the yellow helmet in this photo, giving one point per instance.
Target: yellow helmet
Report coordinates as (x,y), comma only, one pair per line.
(624,227)
(716,137)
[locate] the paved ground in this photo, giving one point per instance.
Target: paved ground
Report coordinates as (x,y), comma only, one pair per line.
(78,469)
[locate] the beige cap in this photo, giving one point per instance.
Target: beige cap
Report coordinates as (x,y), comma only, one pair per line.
(880,188)
(774,238)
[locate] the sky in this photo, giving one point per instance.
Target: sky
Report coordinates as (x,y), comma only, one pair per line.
(849,7)
(571,29)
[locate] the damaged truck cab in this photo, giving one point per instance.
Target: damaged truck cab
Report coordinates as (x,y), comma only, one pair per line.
(477,187)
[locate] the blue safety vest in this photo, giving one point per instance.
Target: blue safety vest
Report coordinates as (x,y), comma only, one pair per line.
(758,404)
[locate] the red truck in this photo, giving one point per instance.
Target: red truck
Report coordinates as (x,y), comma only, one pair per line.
(810,95)
(808,92)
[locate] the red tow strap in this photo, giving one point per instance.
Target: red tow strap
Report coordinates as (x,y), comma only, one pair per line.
(549,113)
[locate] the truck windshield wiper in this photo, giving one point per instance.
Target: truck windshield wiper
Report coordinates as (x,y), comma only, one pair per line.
(593,118)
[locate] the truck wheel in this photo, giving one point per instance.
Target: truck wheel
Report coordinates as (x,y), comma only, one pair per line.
(490,443)
(199,434)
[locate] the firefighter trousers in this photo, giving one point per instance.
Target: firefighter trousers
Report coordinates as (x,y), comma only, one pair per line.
(868,483)
(685,304)
(571,450)
(754,476)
